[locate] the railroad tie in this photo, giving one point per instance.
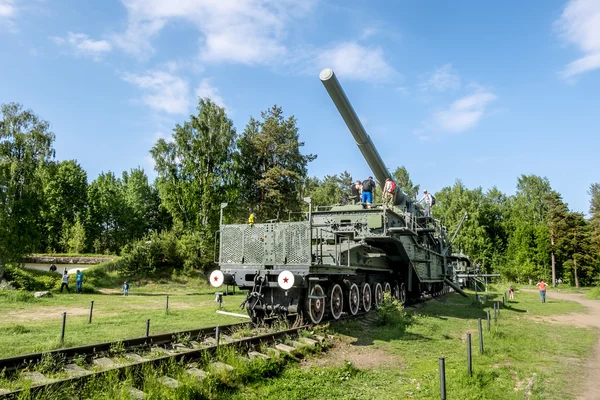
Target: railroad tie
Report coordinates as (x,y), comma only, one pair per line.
(219,366)
(162,351)
(169,382)
(75,370)
(181,347)
(104,362)
(198,373)
(319,338)
(135,357)
(285,348)
(298,345)
(136,393)
(36,378)
(4,391)
(309,342)
(256,354)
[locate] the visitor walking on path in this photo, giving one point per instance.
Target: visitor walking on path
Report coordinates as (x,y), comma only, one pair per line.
(65,282)
(542,286)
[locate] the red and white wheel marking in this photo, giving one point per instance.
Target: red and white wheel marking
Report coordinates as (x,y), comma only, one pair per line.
(285,280)
(216,278)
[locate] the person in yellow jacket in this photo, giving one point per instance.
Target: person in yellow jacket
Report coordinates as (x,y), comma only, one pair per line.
(251,220)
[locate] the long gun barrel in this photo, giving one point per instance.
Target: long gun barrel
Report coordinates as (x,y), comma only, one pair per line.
(363,141)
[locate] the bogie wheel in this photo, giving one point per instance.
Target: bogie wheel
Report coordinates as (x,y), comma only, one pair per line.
(353,299)
(316,304)
(387,288)
(336,301)
(366,297)
(396,291)
(378,294)
(402,297)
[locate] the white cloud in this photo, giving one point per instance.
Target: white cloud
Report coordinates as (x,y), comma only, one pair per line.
(464,113)
(442,79)
(7,8)
(165,91)
(353,61)
(207,90)
(248,32)
(579,24)
(81,44)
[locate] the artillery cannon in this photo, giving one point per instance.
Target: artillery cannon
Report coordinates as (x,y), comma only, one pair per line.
(340,259)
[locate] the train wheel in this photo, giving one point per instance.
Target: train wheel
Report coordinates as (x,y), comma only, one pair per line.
(402,297)
(354,299)
(316,304)
(387,288)
(366,297)
(336,301)
(378,294)
(396,291)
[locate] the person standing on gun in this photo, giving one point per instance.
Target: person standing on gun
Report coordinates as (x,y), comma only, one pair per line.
(368,188)
(429,201)
(355,192)
(389,190)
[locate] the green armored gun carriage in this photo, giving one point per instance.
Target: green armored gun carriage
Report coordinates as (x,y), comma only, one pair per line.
(340,259)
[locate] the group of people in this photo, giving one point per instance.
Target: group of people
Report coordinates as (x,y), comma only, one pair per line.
(79,279)
(65,280)
(364,192)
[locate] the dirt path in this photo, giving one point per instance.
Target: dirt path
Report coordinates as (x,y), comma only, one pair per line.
(591,319)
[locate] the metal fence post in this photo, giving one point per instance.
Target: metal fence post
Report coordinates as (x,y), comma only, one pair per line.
(469,360)
(442,379)
(147,327)
(495,313)
(62,332)
(91,311)
(480,336)
(167,305)
(488,320)
(217,334)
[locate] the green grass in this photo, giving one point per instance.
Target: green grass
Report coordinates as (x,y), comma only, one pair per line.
(593,294)
(34,325)
(516,347)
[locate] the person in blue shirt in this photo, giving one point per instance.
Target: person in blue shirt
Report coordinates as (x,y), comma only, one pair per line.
(125,288)
(79,281)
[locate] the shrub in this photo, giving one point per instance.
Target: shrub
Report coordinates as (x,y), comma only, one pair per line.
(593,294)
(391,312)
(31,280)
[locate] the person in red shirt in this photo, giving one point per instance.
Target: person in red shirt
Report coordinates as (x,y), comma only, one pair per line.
(542,286)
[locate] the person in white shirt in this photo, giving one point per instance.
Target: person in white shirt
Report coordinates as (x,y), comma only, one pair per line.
(428,201)
(388,192)
(65,282)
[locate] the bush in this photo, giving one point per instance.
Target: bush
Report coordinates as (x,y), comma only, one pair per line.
(160,251)
(391,312)
(31,280)
(105,274)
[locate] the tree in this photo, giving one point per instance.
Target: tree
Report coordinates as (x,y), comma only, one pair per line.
(65,197)
(403,181)
(25,150)
(331,190)
(106,223)
(578,243)
(595,214)
(271,166)
(557,225)
(196,172)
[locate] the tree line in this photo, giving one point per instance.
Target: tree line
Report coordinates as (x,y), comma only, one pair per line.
(48,206)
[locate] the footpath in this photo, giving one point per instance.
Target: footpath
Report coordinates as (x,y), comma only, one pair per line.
(591,389)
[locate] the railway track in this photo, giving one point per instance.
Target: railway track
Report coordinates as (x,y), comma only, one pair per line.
(75,365)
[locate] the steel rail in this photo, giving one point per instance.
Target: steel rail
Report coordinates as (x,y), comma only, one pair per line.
(187,355)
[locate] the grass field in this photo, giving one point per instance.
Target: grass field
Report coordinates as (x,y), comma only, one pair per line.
(405,365)
(34,325)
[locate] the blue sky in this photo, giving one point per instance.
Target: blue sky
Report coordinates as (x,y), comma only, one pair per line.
(481,91)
